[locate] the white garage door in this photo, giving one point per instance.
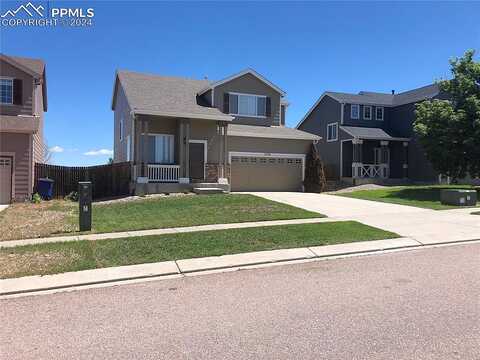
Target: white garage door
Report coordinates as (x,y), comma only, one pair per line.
(266,173)
(5,180)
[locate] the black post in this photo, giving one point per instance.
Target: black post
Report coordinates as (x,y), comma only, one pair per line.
(85,204)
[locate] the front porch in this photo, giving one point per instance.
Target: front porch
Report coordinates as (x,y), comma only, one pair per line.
(374,161)
(176,154)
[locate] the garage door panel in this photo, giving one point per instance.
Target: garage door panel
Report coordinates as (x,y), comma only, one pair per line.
(266,174)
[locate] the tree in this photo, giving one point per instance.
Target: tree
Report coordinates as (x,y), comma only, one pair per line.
(110,161)
(449,130)
(314,172)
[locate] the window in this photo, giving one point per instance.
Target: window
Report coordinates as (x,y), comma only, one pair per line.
(332,132)
(121,128)
(379,113)
(367,112)
(160,149)
(129,145)
(247,105)
(355,111)
(6,91)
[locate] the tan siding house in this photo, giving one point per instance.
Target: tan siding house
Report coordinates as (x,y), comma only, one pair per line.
(23,101)
(181,133)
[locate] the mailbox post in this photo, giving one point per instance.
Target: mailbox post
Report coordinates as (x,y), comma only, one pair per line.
(85,204)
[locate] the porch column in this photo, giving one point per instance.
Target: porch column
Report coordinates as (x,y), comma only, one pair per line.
(187,149)
(181,148)
(221,149)
(137,156)
(405,159)
(384,159)
(145,156)
(225,153)
(357,158)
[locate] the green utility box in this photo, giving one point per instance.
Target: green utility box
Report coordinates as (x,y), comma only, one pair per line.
(458,197)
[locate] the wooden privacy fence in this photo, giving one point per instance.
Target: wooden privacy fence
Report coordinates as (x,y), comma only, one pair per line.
(107,180)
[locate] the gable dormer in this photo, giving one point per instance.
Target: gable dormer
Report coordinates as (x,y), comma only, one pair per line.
(249,97)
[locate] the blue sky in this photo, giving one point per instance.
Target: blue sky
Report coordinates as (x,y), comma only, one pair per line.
(303,47)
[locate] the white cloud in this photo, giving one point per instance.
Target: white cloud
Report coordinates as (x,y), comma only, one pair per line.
(98,152)
(56,149)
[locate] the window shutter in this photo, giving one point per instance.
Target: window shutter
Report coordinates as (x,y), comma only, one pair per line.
(268,107)
(17,91)
(226,103)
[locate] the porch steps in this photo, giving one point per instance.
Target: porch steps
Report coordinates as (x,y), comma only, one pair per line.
(211,185)
(208,190)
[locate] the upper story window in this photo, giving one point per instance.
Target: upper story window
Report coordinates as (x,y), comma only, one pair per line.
(379,111)
(332,132)
(247,105)
(6,91)
(121,128)
(367,112)
(355,111)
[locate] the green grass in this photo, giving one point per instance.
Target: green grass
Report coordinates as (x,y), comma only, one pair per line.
(80,255)
(190,211)
(476,213)
(420,196)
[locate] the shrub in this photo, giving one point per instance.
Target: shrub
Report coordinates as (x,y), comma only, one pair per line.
(73,196)
(36,198)
(315,181)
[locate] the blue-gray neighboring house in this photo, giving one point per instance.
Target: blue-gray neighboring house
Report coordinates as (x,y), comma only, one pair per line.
(368,137)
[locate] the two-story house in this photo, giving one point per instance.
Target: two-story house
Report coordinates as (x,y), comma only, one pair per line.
(369,137)
(23,101)
(182,133)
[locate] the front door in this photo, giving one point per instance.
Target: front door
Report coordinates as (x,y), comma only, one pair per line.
(197,161)
(5,180)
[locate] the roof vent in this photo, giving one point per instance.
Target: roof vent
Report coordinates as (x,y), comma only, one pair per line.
(393,92)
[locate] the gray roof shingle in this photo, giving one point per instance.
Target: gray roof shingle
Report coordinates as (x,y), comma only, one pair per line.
(37,66)
(274,132)
(374,98)
(166,96)
(369,133)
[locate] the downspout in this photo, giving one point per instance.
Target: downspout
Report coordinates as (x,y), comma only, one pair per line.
(342,115)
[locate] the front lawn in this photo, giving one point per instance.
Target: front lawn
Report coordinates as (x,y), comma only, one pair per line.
(58,216)
(420,196)
(81,255)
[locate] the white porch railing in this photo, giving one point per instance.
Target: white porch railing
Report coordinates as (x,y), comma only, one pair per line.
(372,171)
(163,173)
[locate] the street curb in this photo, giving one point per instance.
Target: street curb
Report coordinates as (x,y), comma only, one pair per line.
(38,283)
(309,255)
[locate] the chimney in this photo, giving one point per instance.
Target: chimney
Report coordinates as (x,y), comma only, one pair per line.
(393,92)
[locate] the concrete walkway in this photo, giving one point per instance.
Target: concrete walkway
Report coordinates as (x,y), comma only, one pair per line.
(36,283)
(125,234)
(423,225)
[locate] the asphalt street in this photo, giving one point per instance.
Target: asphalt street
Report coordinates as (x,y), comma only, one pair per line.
(417,304)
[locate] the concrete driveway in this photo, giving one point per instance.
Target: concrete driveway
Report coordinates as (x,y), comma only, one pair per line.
(424,225)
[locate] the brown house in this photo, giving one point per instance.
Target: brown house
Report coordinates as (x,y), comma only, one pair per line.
(23,100)
(230,134)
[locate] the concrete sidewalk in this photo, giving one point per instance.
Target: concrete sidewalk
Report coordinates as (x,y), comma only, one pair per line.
(125,234)
(32,284)
(423,225)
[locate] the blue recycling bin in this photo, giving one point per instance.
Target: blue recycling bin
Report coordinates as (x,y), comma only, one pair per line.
(45,188)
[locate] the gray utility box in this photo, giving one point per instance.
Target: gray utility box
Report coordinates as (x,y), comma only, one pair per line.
(85,205)
(458,197)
